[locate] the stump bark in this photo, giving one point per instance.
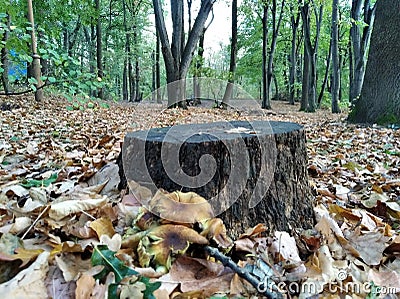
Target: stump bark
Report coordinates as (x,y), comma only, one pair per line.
(250,172)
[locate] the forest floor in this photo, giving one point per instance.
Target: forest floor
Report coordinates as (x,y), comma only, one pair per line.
(58,202)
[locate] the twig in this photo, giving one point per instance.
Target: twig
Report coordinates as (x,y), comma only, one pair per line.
(36,220)
(226,261)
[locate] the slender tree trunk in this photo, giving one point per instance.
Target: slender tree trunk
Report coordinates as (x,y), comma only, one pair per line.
(305,81)
(232,64)
(198,67)
(125,91)
(294,23)
(4,58)
(335,58)
(265,96)
(99,50)
(275,27)
(326,75)
(36,58)
(136,82)
(158,75)
(138,96)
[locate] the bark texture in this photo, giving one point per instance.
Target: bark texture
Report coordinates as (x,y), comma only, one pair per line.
(380,95)
(250,172)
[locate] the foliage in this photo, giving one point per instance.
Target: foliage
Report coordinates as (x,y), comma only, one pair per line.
(105,257)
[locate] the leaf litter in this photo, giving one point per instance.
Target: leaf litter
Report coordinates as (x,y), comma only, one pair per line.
(68,232)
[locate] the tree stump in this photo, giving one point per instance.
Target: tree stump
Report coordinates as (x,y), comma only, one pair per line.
(250,172)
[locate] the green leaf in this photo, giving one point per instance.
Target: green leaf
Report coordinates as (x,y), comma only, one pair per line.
(150,287)
(70,108)
(32,80)
(52,79)
(103,256)
(39,183)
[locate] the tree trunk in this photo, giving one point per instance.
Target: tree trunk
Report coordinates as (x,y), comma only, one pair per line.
(265,96)
(326,75)
(125,83)
(359,43)
(158,75)
(305,86)
(311,53)
(275,30)
(294,23)
(232,65)
(247,178)
(335,58)
(4,58)
(379,101)
(177,58)
(99,50)
(36,58)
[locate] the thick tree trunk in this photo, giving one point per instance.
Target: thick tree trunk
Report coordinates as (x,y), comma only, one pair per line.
(4,58)
(379,101)
(258,176)
(359,41)
(311,50)
(178,55)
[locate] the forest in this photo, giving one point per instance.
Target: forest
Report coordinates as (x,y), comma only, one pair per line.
(312,52)
(200,149)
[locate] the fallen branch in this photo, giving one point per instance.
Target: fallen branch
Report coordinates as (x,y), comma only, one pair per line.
(255,282)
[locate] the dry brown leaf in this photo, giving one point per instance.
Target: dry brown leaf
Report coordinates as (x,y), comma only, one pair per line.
(255,231)
(29,283)
(103,226)
(370,246)
(84,287)
(72,265)
(198,274)
(63,209)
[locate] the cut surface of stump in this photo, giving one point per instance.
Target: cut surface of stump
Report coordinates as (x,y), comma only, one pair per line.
(250,172)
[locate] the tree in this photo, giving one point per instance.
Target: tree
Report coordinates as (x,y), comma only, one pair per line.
(232,64)
(335,58)
(36,58)
(379,101)
(359,42)
(4,56)
(99,48)
(178,55)
(294,24)
(308,97)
